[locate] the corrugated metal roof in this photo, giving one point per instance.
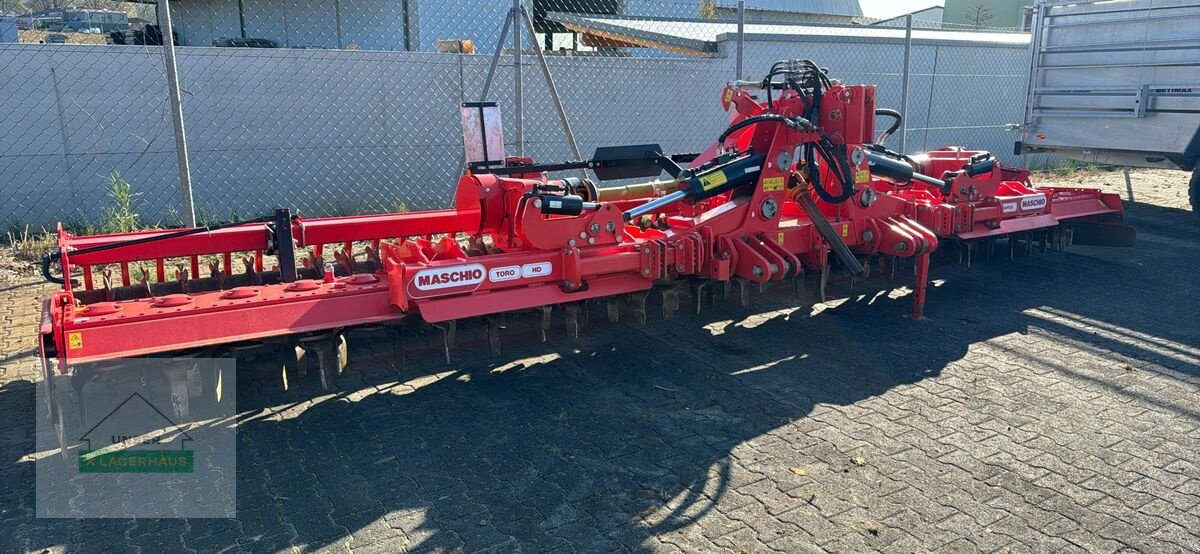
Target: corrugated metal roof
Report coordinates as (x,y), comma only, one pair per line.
(700,37)
(839,7)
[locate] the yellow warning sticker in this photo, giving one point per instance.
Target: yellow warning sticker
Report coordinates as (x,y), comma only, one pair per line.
(772,184)
(845,229)
(862,176)
(713,180)
(74,341)
(779,239)
(728,95)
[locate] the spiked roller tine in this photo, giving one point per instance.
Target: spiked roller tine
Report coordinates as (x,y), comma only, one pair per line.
(638,301)
(613,308)
(493,334)
(1012,247)
(572,315)
(543,322)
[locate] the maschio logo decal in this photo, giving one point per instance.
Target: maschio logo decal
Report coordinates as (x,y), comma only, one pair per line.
(449,277)
(1033,203)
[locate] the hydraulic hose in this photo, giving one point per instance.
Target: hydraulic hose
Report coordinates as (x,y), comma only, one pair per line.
(899,120)
(797,123)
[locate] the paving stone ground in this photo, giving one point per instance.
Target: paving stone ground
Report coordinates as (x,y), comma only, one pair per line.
(1047,404)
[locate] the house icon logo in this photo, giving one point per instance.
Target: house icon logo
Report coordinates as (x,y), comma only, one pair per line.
(136,437)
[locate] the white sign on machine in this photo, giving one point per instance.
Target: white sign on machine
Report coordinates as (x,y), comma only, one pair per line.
(473,275)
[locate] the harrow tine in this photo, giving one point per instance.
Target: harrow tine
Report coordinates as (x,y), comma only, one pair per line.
(799,287)
(323,347)
(79,380)
(1012,247)
(449,329)
(700,287)
(543,322)
(825,279)
(1043,238)
(571,310)
(398,357)
(613,308)
(743,290)
(180,397)
(493,334)
(638,300)
(341,352)
(584,308)
(670,302)
(288,354)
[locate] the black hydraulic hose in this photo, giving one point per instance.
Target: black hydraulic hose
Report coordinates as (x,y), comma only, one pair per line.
(46,261)
(52,256)
(831,237)
(800,124)
(899,120)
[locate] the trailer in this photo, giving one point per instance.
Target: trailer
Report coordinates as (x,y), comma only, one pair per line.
(1116,82)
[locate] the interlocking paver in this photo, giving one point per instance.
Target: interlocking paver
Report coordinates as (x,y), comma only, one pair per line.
(1045,405)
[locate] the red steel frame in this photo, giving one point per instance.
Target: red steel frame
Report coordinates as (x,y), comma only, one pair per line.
(524,259)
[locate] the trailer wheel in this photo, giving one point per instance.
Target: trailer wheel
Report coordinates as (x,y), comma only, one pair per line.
(1194,191)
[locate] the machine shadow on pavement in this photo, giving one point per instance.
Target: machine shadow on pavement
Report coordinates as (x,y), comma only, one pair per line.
(630,432)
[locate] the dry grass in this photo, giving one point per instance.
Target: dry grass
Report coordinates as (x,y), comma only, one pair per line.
(29,247)
(38,37)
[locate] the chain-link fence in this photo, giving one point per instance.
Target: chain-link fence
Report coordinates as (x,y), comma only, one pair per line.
(352,106)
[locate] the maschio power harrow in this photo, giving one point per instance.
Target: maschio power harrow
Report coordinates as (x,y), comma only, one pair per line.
(795,184)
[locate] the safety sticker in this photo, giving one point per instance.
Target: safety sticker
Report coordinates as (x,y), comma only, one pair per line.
(779,239)
(772,184)
(713,180)
(862,176)
(74,341)
(845,229)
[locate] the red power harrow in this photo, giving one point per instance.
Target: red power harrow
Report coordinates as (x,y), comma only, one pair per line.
(796,177)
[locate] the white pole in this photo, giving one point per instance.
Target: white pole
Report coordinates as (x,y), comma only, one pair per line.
(172,73)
